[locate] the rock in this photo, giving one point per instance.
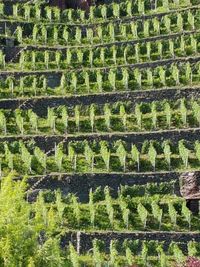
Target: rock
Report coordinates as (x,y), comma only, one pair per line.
(189,184)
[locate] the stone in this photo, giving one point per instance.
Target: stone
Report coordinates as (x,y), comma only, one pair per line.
(189,184)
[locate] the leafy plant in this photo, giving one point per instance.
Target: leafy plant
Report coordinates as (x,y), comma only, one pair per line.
(143,213)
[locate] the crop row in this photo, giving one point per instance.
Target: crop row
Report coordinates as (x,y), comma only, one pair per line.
(105,80)
(125,53)
(84,157)
(137,213)
(145,253)
(128,9)
(118,117)
(65,35)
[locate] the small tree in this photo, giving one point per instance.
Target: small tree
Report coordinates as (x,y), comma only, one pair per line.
(183,152)
(136,156)
(168,114)
(186,213)
(183,111)
(41,157)
(63,83)
(33,118)
(143,213)
(73,256)
(175,74)
(157,212)
(104,12)
(89,155)
(87,81)
(74,81)
(58,156)
(167,153)
(112,32)
(154,115)
(76,209)
(116,10)
(65,117)
(72,155)
(112,78)
(125,78)
(138,77)
(123,115)
(19,121)
(97,260)
(51,119)
(196,111)
(3,124)
(152,154)
(92,116)
(105,154)
(77,117)
(107,115)
(26,157)
(99,79)
(113,253)
(58,59)
(141,9)
(90,35)
(122,154)
(78,35)
(172,213)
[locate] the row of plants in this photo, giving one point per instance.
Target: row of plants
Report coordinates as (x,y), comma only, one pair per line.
(101,156)
(124,53)
(150,253)
(41,221)
(118,117)
(36,12)
(61,34)
(157,212)
(104,80)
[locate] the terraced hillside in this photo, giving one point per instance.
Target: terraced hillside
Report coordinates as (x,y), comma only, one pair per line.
(105,107)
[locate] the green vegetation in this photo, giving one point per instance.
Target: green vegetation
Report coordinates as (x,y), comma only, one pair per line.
(100,112)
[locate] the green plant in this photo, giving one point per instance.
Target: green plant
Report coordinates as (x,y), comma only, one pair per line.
(73,256)
(76,209)
(157,212)
(135,156)
(77,117)
(41,157)
(183,152)
(51,119)
(172,213)
(186,213)
(107,115)
(91,208)
(167,153)
(121,154)
(92,116)
(105,154)
(58,156)
(33,118)
(112,78)
(26,157)
(89,155)
(152,154)
(143,213)
(3,125)
(97,260)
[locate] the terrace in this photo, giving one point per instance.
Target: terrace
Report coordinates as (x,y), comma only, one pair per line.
(100,110)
